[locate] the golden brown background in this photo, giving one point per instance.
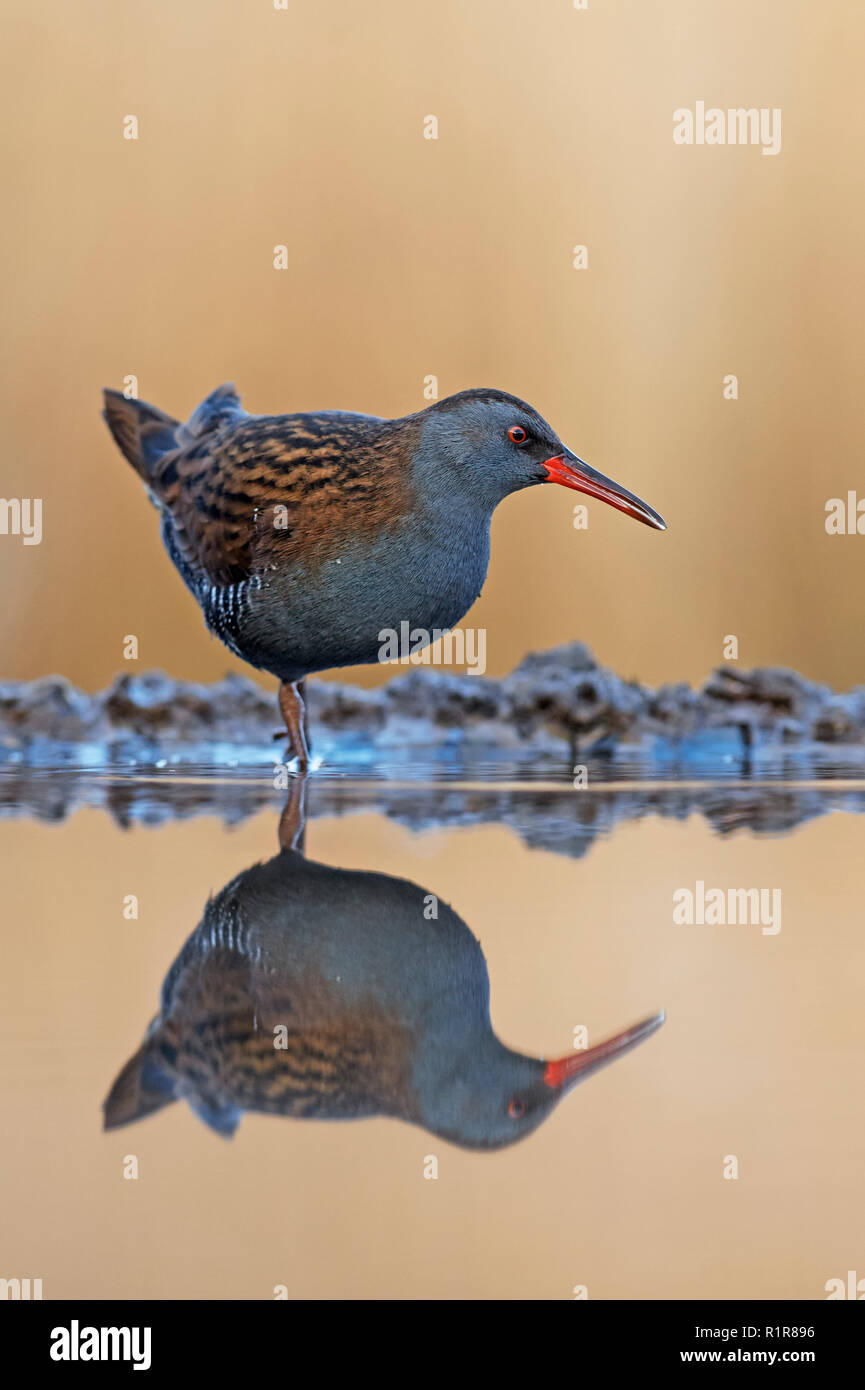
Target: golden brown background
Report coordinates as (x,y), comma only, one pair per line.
(453,257)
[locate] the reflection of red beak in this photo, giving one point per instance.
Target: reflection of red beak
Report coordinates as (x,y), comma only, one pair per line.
(570,471)
(567,1071)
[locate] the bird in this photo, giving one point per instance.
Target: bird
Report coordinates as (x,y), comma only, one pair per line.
(304,537)
(316,992)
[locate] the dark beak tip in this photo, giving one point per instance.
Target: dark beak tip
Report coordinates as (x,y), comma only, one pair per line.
(641,1031)
(648,516)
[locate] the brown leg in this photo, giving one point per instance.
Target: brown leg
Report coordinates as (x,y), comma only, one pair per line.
(293,711)
(292,822)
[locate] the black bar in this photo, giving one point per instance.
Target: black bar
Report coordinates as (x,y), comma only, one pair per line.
(259,1336)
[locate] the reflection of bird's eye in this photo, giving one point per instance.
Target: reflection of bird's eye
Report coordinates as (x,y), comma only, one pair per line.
(516,1108)
(517,435)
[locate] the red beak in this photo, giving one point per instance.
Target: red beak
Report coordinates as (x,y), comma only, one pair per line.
(567,1071)
(571,472)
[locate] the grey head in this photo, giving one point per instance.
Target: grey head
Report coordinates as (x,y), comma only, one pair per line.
(493,1097)
(479,446)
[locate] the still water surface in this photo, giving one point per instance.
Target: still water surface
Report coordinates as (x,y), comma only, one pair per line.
(397,1143)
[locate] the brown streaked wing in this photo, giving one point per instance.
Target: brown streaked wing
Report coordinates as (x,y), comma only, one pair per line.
(334,474)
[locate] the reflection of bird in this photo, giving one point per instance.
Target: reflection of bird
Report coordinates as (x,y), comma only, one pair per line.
(321,993)
(305,537)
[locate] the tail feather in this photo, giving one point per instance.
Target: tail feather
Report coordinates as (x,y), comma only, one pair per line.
(142,433)
(142,1087)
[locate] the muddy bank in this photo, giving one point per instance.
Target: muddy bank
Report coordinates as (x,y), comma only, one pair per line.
(556,704)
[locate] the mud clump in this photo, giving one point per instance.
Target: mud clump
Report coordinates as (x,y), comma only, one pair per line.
(557,701)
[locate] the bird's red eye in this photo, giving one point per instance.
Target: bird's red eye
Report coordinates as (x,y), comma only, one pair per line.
(517,435)
(516,1108)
